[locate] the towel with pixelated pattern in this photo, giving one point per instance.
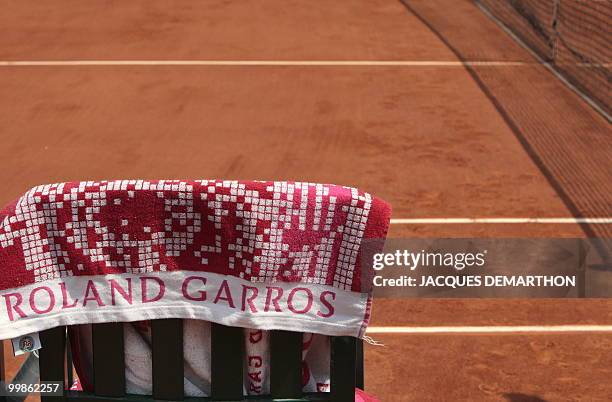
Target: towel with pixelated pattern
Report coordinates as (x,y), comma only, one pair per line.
(254,254)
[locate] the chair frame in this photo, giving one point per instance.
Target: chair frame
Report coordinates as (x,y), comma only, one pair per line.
(227,360)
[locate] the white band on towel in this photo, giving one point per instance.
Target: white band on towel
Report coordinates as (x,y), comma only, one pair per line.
(182,294)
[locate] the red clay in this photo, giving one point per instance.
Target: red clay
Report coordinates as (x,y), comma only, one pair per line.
(512,368)
(424,138)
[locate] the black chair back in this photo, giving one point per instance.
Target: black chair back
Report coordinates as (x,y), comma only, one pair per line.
(227,360)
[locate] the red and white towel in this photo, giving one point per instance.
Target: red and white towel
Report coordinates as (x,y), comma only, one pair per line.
(260,255)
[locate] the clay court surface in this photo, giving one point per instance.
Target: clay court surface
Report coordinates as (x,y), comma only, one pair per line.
(432,134)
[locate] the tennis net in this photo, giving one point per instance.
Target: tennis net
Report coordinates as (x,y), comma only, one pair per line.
(572,35)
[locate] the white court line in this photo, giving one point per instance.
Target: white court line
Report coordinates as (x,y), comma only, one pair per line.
(383,63)
(428,221)
(399,63)
(502,329)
